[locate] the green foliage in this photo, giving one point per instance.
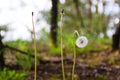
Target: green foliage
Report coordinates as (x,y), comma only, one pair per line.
(67,42)
(44,36)
(25,61)
(7,74)
(54,78)
(20,44)
(101,77)
(112,60)
(93,27)
(94,42)
(54,50)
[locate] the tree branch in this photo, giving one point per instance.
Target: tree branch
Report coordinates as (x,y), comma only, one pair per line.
(14,49)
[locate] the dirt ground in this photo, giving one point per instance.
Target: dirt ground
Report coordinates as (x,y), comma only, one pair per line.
(98,65)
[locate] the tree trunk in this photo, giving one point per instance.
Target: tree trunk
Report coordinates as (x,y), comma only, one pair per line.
(2,61)
(54,14)
(90,13)
(78,12)
(116,38)
(89,9)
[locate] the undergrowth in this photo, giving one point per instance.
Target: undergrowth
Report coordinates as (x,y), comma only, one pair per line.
(7,74)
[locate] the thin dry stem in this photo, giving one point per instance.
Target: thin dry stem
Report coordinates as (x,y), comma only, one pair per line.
(62,57)
(35,49)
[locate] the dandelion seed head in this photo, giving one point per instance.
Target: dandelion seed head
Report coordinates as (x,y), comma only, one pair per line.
(81,41)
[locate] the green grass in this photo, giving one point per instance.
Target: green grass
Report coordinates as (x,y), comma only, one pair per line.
(25,61)
(94,43)
(20,44)
(101,77)
(7,74)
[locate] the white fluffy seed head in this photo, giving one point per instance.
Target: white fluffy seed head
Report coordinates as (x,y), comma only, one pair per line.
(81,41)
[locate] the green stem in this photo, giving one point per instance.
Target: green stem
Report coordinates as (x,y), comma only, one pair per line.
(63,71)
(73,69)
(74,54)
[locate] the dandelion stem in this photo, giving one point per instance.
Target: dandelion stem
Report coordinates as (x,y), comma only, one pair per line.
(63,72)
(74,54)
(76,32)
(35,50)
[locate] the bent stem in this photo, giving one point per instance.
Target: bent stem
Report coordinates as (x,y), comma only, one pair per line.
(63,72)
(35,50)
(76,32)
(74,54)
(74,62)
